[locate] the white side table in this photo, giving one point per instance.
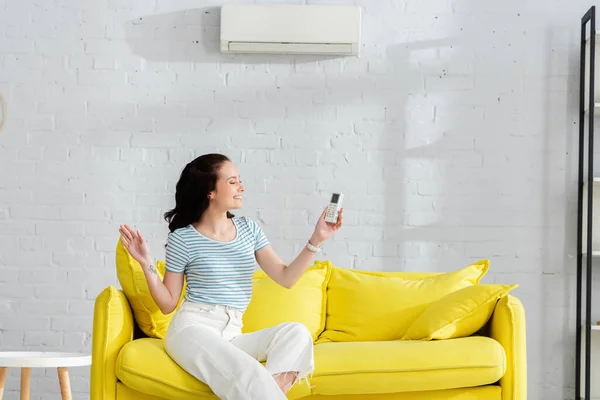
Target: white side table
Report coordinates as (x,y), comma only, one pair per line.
(35,359)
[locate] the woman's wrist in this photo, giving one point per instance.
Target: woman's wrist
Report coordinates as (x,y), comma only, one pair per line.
(315,241)
(147,263)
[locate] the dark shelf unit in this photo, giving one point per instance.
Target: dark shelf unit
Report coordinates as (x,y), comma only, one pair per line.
(589,18)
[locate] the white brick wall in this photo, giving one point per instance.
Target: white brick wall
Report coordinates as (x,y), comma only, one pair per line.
(453,137)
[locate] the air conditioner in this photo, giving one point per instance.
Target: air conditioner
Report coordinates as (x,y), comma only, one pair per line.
(290,29)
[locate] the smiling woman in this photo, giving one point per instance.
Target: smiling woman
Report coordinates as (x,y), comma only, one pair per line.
(211,178)
(217,254)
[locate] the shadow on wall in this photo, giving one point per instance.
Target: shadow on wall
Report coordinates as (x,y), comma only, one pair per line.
(415,149)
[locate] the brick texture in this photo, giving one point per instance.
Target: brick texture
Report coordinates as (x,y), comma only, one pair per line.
(453,137)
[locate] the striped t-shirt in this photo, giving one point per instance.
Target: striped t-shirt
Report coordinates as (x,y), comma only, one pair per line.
(217,272)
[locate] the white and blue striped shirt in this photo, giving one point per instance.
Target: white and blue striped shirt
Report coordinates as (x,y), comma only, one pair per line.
(217,272)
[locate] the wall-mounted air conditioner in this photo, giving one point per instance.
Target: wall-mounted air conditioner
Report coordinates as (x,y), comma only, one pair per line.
(290,29)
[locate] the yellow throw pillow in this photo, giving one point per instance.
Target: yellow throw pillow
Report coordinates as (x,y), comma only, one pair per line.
(305,302)
(375,306)
(147,315)
(458,314)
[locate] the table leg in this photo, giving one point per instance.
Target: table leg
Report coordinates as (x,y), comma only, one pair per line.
(3,371)
(25,383)
(65,383)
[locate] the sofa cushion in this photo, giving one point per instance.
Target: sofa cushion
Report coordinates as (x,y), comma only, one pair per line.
(406,366)
(147,315)
(375,306)
(305,302)
(145,366)
(458,314)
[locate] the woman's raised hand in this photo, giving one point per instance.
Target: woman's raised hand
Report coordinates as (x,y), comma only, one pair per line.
(135,244)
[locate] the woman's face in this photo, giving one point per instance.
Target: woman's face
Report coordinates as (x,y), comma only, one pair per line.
(228,192)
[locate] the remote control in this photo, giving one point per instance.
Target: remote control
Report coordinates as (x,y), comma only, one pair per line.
(334,207)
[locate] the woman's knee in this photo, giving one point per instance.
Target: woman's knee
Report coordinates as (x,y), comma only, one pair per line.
(297,328)
(298,331)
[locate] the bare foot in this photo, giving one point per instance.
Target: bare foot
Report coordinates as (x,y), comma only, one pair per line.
(285,380)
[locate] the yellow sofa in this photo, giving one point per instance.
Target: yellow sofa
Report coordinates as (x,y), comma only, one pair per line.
(490,364)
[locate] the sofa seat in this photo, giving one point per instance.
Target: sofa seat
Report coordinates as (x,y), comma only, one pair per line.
(340,368)
(144,365)
(406,366)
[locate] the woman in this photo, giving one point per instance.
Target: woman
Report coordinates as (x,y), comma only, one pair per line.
(217,253)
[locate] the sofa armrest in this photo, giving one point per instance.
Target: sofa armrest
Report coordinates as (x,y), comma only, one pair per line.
(507,326)
(113,328)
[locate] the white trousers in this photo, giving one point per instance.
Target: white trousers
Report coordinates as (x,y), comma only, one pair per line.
(207,342)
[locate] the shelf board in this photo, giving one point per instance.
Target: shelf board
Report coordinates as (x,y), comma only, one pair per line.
(596,108)
(593,327)
(596,179)
(594,254)
(597,38)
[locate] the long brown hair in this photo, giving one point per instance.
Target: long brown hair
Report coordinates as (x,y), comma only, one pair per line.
(197,180)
